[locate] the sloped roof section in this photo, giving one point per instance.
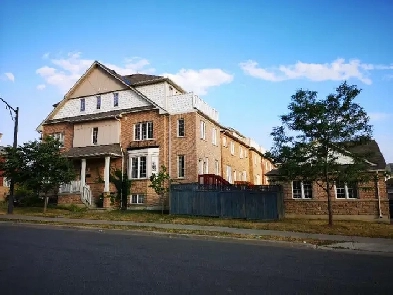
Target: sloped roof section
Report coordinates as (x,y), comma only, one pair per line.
(370,150)
(136,79)
(113,150)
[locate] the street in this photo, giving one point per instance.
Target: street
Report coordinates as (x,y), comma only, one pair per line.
(49,260)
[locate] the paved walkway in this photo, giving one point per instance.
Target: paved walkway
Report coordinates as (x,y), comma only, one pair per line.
(348,242)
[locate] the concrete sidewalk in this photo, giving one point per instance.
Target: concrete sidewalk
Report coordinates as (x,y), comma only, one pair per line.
(344,242)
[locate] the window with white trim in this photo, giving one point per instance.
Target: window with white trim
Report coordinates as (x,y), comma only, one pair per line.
(241,153)
(232,148)
(301,189)
(244,176)
(143,131)
(206,166)
(115,99)
(138,167)
(234,175)
(6,182)
(217,167)
(59,136)
(180,128)
(98,102)
(137,199)
(181,166)
(346,190)
(82,104)
(214,136)
(94,136)
(224,141)
(229,174)
(203,130)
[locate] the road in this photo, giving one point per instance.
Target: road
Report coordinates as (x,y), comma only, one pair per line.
(49,260)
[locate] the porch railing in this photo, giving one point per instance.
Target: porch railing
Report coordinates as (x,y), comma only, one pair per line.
(72,187)
(86,195)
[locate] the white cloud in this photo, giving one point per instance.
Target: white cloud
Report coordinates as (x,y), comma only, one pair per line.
(200,80)
(64,72)
(337,70)
(10,76)
(41,86)
(376,116)
(45,55)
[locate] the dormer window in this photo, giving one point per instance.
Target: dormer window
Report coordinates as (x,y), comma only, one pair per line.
(98,102)
(83,105)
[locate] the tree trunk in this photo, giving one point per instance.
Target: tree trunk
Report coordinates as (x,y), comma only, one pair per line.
(46,203)
(162,204)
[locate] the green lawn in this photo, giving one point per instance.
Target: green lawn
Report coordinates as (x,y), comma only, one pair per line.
(351,228)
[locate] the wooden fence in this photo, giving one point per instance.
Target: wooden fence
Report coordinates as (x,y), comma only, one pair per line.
(257,202)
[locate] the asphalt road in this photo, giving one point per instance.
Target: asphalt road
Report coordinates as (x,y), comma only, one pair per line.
(47,260)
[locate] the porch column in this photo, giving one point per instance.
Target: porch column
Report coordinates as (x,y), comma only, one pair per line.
(106,174)
(83,173)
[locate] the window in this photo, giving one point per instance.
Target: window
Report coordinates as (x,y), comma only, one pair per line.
(95,135)
(301,190)
(137,199)
(214,136)
(115,99)
(143,131)
(224,141)
(83,104)
(217,167)
(138,167)
(203,130)
(180,128)
(244,176)
(60,137)
(234,175)
(98,102)
(170,90)
(229,174)
(206,166)
(241,153)
(345,190)
(181,166)
(201,164)
(232,148)
(6,182)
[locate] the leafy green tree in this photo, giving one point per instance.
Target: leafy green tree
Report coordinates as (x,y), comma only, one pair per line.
(123,186)
(312,142)
(161,183)
(38,166)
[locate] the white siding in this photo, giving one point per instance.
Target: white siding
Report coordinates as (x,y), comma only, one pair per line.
(127,99)
(155,92)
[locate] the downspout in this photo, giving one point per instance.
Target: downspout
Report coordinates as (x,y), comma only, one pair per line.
(122,161)
(379,197)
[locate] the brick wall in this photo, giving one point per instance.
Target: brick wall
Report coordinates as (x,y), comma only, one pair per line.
(66,128)
(205,149)
(365,207)
(233,160)
(255,160)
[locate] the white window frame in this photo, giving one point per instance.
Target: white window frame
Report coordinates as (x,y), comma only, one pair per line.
(232,148)
(234,176)
(229,174)
(6,182)
(138,130)
(181,171)
(94,136)
(224,141)
(241,155)
(302,191)
(203,130)
(98,102)
(217,167)
(152,161)
(244,175)
(59,136)
(206,166)
(83,104)
(115,100)
(140,199)
(214,136)
(178,127)
(348,195)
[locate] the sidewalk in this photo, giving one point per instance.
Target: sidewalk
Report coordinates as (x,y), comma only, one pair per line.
(345,242)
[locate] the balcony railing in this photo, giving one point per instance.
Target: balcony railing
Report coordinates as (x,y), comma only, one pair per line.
(72,187)
(143,143)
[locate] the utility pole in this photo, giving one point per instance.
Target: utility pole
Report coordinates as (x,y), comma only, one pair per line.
(15,145)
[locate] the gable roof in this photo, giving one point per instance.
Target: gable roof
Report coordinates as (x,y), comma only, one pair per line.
(135,79)
(113,74)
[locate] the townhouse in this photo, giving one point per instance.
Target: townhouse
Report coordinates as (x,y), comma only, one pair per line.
(4,183)
(137,123)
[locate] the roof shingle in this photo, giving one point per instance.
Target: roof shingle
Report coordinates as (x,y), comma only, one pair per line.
(92,151)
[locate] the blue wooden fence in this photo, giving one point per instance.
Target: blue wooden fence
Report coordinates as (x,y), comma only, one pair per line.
(257,202)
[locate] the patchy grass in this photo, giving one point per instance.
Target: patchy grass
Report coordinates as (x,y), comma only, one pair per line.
(350,228)
(202,233)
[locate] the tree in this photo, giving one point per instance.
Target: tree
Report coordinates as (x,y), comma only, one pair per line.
(314,137)
(123,186)
(38,166)
(160,183)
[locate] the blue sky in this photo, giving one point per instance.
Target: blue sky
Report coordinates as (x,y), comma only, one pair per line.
(245,58)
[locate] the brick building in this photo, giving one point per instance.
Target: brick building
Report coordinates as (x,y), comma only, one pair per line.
(138,123)
(357,201)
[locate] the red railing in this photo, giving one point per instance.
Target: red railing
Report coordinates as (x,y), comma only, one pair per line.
(212,179)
